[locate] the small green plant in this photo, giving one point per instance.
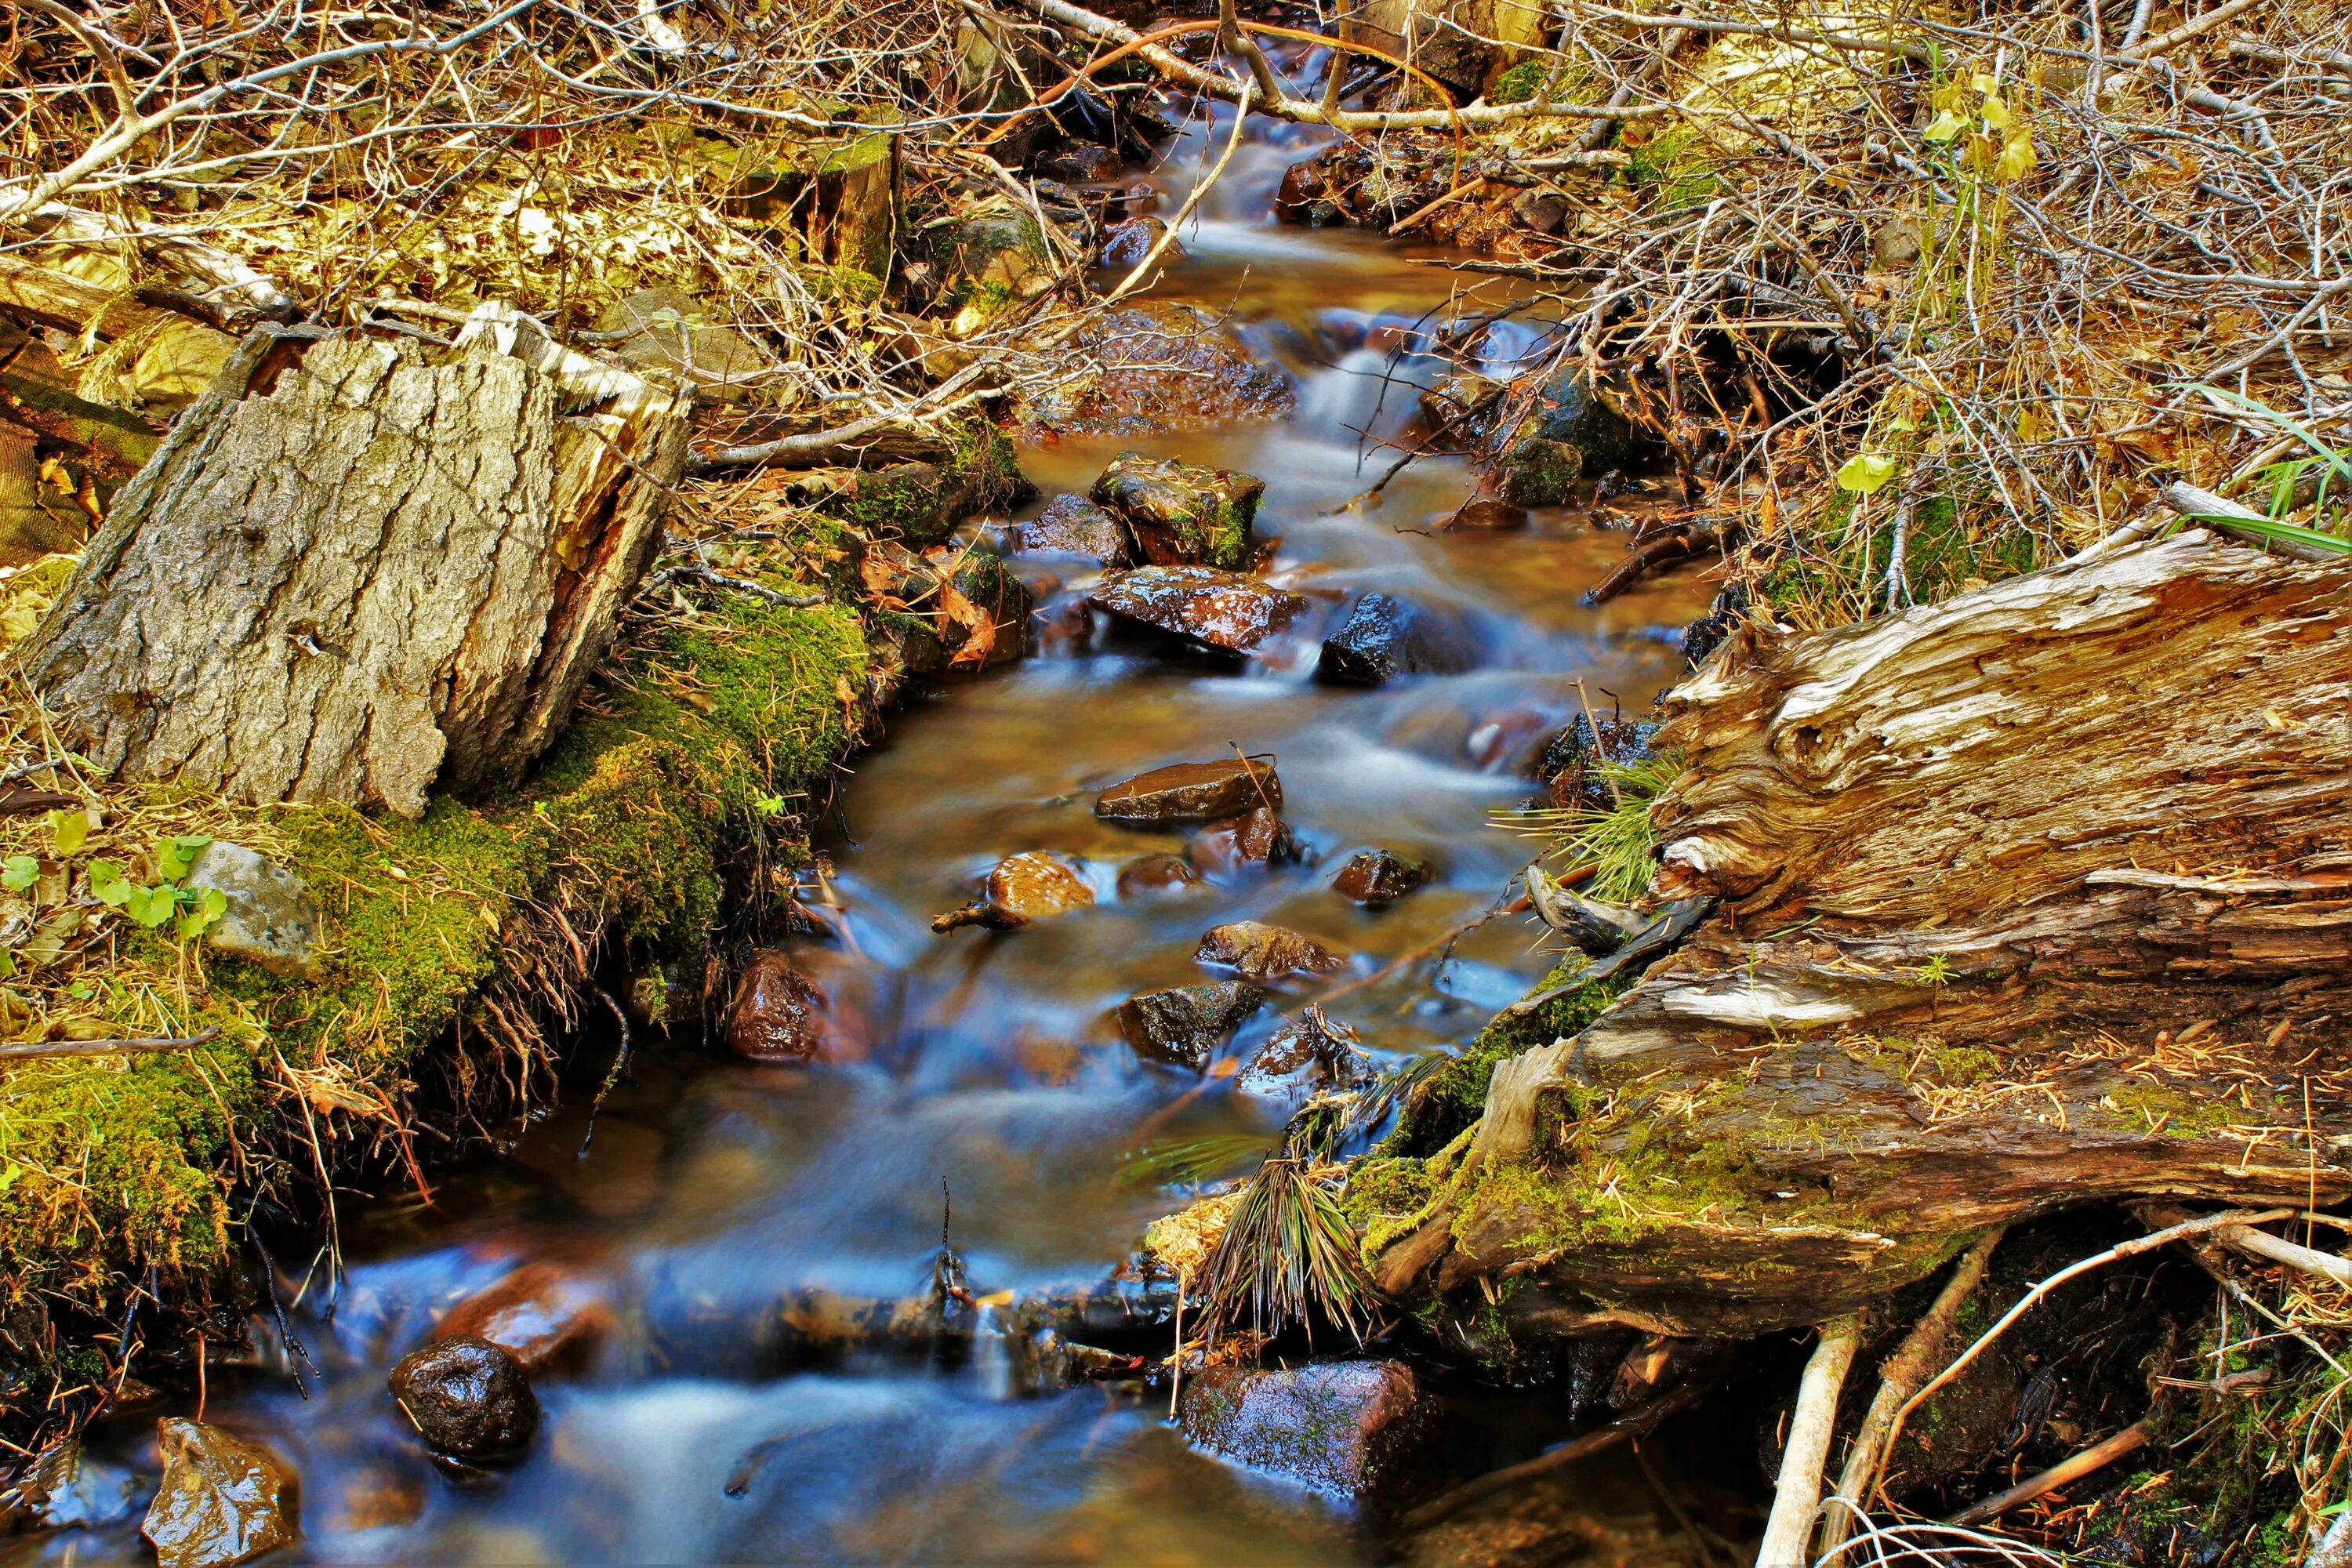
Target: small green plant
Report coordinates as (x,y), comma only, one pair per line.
(1289,1254)
(1617,842)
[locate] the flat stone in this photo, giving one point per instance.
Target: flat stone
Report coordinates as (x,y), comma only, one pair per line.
(1186,1024)
(548,1317)
(1192,792)
(1347,1428)
(668,332)
(1256,838)
(1182,515)
(1219,609)
(1385,636)
(1261,951)
(1072,525)
(466,1396)
(1376,877)
(272,920)
(778,1014)
(222,1500)
(1167,366)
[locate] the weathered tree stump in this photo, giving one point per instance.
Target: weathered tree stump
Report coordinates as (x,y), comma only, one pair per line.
(2040,896)
(356,568)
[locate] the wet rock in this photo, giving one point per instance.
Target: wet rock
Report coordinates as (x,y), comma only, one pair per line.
(1261,951)
(549,1318)
(1536,471)
(1567,409)
(1303,1056)
(222,1500)
(993,255)
(1167,366)
(1156,874)
(1702,637)
(1487,512)
(1460,409)
(1072,525)
(1061,628)
(64,1488)
(1032,886)
(1182,515)
(1495,741)
(1376,877)
(467,1397)
(1305,196)
(1082,163)
(1131,240)
(1186,1024)
(1349,1428)
(1384,638)
(1256,838)
(1192,792)
(272,920)
(1572,765)
(1222,610)
(668,332)
(778,1013)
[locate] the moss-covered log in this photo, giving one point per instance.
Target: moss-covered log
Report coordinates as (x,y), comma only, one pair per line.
(2041,895)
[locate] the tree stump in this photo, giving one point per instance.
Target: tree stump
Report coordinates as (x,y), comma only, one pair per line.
(359,568)
(2040,896)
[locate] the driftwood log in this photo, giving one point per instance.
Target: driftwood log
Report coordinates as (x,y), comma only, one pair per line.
(355,568)
(2039,896)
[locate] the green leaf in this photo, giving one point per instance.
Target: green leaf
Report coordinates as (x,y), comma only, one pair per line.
(70,829)
(2266,528)
(210,906)
(1866,473)
(151,906)
(9,1177)
(769,805)
(107,885)
(1946,127)
(21,872)
(175,856)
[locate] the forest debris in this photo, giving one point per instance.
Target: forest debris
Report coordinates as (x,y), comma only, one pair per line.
(1797,1494)
(2097,1457)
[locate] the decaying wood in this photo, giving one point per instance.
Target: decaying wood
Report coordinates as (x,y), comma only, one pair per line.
(354,570)
(1797,1494)
(2041,895)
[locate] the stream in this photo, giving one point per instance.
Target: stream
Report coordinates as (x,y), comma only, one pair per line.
(988,1061)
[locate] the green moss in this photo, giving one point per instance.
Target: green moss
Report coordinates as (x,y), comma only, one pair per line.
(1456,1094)
(1518,84)
(2142,1106)
(1539,471)
(1674,165)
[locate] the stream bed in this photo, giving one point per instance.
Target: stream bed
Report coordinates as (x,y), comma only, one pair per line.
(988,1061)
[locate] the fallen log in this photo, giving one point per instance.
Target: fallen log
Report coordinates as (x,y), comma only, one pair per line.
(2040,896)
(354,570)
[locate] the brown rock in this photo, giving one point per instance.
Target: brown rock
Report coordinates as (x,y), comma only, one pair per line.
(1542,210)
(222,1500)
(1156,874)
(466,1396)
(778,1013)
(1343,1427)
(1082,162)
(1129,242)
(1376,877)
(1221,609)
(1305,194)
(1193,792)
(1258,837)
(1186,1024)
(1182,515)
(1486,512)
(1260,951)
(1032,886)
(1300,1055)
(544,1315)
(1062,627)
(1170,366)
(1072,525)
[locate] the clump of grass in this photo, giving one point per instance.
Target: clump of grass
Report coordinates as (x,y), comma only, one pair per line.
(1616,841)
(1288,1254)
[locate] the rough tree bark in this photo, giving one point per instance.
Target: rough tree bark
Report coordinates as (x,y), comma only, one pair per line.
(356,568)
(2038,896)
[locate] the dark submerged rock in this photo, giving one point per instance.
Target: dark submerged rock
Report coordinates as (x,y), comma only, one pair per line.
(1262,952)
(1376,877)
(1384,638)
(1488,513)
(1186,1024)
(1258,837)
(466,1396)
(1156,874)
(1131,240)
(1349,1428)
(1192,792)
(1222,610)
(222,1500)
(1072,525)
(1182,515)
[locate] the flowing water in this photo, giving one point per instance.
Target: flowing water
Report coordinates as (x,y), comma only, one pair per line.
(713,1187)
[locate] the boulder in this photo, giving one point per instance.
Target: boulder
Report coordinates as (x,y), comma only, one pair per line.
(1223,610)
(271,920)
(467,1397)
(1376,877)
(1261,951)
(1031,886)
(1192,792)
(1347,1428)
(1182,515)
(1131,240)
(1568,432)
(548,1317)
(1155,874)
(665,330)
(778,1013)
(1385,637)
(1166,367)
(1256,838)
(222,1500)
(1535,472)
(1186,1024)
(1072,525)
